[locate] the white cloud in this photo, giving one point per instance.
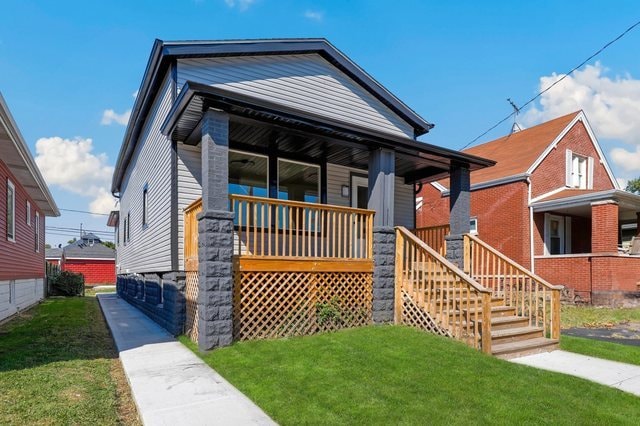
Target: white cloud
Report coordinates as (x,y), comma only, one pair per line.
(135,94)
(71,165)
(241,4)
(109,117)
(612,105)
(314,15)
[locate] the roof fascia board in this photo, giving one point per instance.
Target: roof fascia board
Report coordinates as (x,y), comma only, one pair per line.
(490,183)
(548,194)
(579,200)
(9,123)
(439,187)
(555,142)
(192,89)
(596,145)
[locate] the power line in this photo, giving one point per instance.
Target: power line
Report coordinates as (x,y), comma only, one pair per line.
(93,231)
(556,82)
(83,211)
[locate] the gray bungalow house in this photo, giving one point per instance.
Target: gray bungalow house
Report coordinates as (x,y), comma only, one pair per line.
(260,182)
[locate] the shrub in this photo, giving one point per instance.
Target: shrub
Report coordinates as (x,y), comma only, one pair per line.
(66,284)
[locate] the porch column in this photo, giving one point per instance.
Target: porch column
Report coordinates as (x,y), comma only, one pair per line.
(215,236)
(459,212)
(604,227)
(381,199)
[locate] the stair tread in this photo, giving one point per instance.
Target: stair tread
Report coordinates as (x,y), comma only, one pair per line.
(493,309)
(507,332)
(521,345)
(505,319)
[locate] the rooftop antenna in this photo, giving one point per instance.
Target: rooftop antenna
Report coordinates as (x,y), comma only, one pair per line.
(515,127)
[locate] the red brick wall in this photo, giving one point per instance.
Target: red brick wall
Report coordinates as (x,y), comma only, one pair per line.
(19,259)
(604,223)
(503,217)
(94,271)
(551,173)
(591,273)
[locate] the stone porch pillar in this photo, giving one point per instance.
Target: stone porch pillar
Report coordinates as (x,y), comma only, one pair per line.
(215,236)
(381,199)
(459,212)
(604,227)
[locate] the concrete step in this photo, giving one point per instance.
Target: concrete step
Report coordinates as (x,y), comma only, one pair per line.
(524,347)
(502,323)
(515,334)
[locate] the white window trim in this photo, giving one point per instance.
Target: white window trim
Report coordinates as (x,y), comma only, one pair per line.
(11,186)
(473,219)
(37,224)
(304,164)
(28,213)
(547,233)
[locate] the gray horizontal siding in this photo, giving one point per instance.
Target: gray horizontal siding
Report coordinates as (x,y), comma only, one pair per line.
(305,82)
(149,248)
(404,199)
(189,187)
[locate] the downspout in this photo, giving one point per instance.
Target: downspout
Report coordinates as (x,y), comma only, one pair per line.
(533,266)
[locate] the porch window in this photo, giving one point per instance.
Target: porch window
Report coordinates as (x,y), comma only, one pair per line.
(554,234)
(298,181)
(28,213)
(11,211)
(248,174)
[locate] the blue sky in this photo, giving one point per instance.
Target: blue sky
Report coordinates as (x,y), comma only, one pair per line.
(64,63)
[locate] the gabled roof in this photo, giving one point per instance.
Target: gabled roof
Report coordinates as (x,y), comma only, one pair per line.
(89,247)
(516,153)
(15,153)
(164,53)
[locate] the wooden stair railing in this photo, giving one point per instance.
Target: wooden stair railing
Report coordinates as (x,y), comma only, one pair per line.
(433,294)
(434,236)
(531,296)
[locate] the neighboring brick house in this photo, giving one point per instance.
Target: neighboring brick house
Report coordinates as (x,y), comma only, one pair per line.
(25,200)
(89,257)
(552,204)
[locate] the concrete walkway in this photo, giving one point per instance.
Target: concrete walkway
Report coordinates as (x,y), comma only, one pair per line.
(170,384)
(618,375)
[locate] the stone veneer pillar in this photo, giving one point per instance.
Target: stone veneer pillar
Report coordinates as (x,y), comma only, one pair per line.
(459,213)
(381,199)
(215,236)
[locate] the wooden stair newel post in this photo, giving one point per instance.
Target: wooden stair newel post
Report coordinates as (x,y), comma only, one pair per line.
(486,323)
(397,312)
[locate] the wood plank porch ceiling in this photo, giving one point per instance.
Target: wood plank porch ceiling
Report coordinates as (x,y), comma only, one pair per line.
(261,126)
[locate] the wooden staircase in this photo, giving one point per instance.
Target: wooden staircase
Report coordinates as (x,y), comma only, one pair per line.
(496,306)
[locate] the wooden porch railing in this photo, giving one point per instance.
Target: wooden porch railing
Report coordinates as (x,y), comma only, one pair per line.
(532,296)
(433,236)
(268,227)
(432,293)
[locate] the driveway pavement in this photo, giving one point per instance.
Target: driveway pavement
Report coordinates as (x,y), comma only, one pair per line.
(170,384)
(625,377)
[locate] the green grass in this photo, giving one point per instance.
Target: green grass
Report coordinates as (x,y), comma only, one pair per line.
(58,366)
(398,375)
(591,316)
(600,349)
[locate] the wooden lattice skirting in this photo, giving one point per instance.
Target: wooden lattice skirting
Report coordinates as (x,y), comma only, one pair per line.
(191,300)
(417,317)
(271,304)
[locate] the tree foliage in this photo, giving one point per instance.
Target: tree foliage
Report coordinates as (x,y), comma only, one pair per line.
(633,186)
(109,244)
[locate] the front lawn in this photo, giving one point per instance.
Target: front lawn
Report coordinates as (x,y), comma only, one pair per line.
(398,375)
(58,365)
(596,317)
(600,349)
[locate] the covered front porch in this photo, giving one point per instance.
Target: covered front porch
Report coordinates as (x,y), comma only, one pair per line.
(583,240)
(296,217)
